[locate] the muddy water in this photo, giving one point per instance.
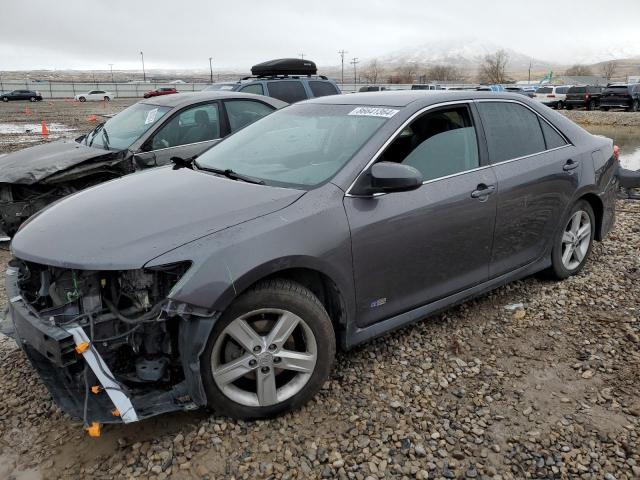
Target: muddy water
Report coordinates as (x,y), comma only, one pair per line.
(627,138)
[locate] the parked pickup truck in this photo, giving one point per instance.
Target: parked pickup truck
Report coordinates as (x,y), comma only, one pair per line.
(587,96)
(621,96)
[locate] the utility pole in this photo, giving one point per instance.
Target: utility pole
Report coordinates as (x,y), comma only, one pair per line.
(111,66)
(529,72)
(342,52)
(301,55)
(144,74)
(354,62)
(211,69)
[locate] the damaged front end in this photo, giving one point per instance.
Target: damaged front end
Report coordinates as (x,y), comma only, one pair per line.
(110,346)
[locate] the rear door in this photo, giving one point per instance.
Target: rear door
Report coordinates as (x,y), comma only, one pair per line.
(187,133)
(537,177)
(412,248)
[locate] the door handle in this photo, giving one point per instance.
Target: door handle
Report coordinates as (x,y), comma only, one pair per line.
(570,165)
(482,191)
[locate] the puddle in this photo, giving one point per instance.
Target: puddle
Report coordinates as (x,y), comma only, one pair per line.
(627,138)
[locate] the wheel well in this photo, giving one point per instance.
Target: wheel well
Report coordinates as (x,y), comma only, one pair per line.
(598,211)
(322,287)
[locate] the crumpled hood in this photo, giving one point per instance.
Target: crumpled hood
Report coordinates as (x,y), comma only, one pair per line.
(124,223)
(32,164)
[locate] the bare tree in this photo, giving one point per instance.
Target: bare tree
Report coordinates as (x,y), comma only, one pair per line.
(372,71)
(406,72)
(444,73)
(578,70)
(494,67)
(608,69)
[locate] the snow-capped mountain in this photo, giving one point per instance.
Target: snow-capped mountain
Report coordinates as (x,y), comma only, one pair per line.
(461,52)
(629,50)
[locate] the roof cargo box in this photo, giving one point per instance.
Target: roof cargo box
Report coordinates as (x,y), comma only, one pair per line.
(284,66)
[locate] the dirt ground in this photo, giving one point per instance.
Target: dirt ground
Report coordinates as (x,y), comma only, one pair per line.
(547,390)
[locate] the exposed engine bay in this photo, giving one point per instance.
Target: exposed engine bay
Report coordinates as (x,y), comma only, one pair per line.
(134,338)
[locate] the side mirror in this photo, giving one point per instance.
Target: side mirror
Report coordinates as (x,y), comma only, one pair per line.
(387,177)
(142,160)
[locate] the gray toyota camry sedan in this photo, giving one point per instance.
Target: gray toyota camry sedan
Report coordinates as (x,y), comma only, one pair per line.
(228,281)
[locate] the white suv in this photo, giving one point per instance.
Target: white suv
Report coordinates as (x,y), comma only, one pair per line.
(553,96)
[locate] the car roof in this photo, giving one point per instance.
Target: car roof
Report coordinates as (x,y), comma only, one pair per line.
(185,99)
(402,98)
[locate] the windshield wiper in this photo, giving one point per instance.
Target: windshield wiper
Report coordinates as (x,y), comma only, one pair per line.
(230,174)
(94,132)
(106,138)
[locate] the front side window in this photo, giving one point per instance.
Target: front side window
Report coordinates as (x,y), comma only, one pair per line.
(195,124)
(243,112)
(512,130)
(299,146)
(120,131)
(437,144)
(322,89)
(290,91)
(253,88)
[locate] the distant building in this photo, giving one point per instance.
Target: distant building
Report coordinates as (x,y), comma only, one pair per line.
(633,79)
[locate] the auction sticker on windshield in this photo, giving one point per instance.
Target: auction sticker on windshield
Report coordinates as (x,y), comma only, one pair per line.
(374,112)
(151,116)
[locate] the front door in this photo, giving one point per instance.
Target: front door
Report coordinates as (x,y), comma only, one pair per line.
(412,248)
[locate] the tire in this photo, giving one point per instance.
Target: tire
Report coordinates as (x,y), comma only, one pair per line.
(82,99)
(262,308)
(32,99)
(563,264)
(106,99)
(592,105)
(5,99)
(635,107)
(559,105)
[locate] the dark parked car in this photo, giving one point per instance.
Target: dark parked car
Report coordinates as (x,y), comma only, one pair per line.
(520,90)
(372,88)
(288,79)
(229,281)
(621,96)
(160,91)
(585,96)
(31,95)
(146,134)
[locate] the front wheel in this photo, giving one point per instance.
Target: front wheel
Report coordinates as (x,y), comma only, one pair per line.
(32,99)
(269,353)
(635,106)
(592,105)
(573,243)
(5,99)
(560,106)
(106,99)
(82,99)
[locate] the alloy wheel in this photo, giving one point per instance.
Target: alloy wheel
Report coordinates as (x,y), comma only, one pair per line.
(264,357)
(576,240)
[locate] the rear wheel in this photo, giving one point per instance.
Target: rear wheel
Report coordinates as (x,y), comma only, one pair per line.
(592,105)
(560,105)
(32,99)
(5,99)
(635,107)
(269,353)
(82,99)
(106,99)
(573,244)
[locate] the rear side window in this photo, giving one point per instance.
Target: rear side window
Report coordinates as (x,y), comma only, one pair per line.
(253,88)
(545,90)
(244,112)
(512,130)
(577,90)
(552,138)
(322,89)
(289,91)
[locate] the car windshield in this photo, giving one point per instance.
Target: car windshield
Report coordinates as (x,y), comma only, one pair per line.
(299,146)
(120,131)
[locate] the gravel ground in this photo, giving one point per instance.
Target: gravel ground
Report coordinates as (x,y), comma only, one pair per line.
(549,390)
(617,118)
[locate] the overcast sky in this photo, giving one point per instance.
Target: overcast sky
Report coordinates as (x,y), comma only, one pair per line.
(83,34)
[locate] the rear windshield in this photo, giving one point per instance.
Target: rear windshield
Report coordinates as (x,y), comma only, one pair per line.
(321,88)
(562,90)
(545,90)
(577,90)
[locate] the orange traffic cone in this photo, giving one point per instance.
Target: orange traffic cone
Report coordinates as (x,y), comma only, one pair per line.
(92,118)
(45,130)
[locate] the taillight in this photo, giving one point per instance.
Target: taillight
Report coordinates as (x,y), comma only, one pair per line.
(551,96)
(616,152)
(586,95)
